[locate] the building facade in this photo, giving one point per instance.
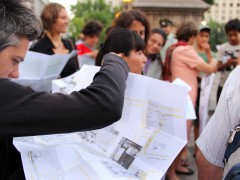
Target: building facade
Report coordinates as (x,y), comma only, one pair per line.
(36,5)
(114,2)
(175,10)
(223,10)
(110,2)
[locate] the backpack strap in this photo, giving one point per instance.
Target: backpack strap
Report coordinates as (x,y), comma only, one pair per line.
(233,143)
(231,157)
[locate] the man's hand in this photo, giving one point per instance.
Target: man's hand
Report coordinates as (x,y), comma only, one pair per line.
(206,47)
(229,63)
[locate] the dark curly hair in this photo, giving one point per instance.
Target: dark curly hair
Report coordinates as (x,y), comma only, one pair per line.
(232,25)
(126,18)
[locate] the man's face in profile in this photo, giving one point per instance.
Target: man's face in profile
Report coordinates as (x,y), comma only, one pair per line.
(10,57)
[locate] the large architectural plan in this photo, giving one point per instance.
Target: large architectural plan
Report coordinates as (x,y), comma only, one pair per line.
(141,145)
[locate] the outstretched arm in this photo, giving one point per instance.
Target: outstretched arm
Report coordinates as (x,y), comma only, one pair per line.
(24,112)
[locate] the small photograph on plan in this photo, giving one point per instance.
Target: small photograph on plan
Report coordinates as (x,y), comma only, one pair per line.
(126,152)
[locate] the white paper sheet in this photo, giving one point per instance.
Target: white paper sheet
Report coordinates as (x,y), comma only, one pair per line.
(141,145)
(191,114)
(85,60)
(206,86)
(38,70)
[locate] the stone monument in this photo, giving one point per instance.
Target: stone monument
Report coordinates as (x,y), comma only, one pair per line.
(175,10)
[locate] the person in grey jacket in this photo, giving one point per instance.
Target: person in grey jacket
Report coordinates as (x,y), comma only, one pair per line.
(25,112)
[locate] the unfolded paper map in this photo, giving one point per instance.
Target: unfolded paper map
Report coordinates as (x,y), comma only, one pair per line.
(141,145)
(38,70)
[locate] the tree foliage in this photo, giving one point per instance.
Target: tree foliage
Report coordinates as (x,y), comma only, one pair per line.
(209,1)
(218,35)
(88,10)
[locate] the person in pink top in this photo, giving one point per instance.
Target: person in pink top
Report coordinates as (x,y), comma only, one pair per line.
(183,62)
(184,65)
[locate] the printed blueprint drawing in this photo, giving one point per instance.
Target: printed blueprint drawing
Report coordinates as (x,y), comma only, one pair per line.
(141,145)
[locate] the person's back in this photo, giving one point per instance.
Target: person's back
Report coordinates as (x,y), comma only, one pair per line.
(184,61)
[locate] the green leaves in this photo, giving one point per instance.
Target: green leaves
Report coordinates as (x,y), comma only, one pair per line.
(209,1)
(218,35)
(88,10)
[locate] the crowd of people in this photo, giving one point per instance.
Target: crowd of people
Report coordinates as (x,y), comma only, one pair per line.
(165,53)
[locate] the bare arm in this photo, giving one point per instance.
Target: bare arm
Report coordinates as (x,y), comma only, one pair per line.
(208,51)
(208,67)
(211,64)
(206,170)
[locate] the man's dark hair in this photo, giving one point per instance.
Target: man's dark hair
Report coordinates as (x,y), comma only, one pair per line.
(92,28)
(232,25)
